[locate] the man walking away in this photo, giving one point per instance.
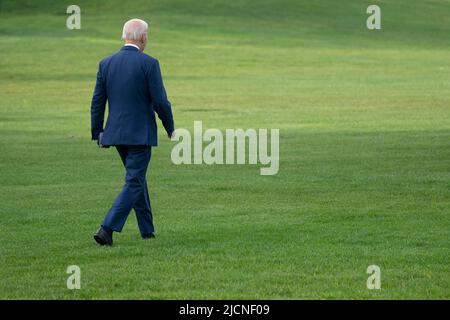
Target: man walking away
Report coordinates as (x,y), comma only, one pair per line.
(131,82)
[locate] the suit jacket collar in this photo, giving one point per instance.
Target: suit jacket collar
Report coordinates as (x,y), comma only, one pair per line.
(129,48)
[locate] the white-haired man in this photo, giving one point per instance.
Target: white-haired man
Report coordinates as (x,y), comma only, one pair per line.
(132,84)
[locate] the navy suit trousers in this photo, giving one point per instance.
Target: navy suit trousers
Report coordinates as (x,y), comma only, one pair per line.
(134,194)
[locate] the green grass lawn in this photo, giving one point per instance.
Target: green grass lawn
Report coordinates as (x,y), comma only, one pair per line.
(364,119)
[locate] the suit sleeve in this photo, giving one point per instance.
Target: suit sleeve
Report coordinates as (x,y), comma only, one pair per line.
(98,105)
(158,95)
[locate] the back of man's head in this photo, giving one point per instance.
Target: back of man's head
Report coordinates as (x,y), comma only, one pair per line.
(135,32)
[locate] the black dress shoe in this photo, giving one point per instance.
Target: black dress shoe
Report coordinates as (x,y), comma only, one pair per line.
(103,238)
(148,236)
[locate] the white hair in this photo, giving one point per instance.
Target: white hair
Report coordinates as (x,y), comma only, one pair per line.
(134,29)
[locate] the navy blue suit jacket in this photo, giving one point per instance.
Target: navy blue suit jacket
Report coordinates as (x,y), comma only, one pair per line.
(132,84)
